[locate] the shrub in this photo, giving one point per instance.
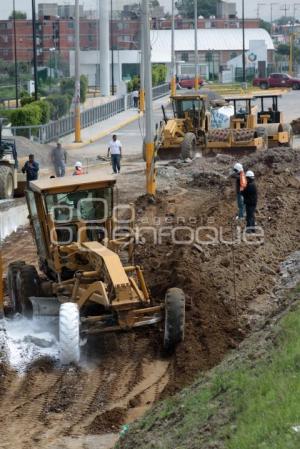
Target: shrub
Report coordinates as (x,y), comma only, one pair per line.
(67,87)
(28,115)
(45,110)
(59,105)
(26,99)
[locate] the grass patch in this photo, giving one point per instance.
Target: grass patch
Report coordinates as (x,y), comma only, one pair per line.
(251,401)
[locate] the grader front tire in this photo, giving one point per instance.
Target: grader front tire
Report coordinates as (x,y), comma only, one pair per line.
(188,146)
(69,339)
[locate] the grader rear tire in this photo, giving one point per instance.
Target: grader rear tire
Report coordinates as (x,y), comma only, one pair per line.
(11,280)
(6,183)
(174,318)
(27,285)
(188,146)
(69,339)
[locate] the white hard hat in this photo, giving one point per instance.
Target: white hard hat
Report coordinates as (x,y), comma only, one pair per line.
(238,167)
(78,164)
(249,174)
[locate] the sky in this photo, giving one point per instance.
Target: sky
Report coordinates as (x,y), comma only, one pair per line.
(250,6)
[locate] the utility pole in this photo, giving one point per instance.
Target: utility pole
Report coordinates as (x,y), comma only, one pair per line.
(77,74)
(173,56)
(292,40)
(104,47)
(142,67)
(259,5)
(196,43)
(244,49)
(149,138)
(112,50)
(285,8)
(16,56)
(271,8)
(34,50)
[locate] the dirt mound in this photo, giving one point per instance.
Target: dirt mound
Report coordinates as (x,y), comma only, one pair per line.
(277,159)
(109,421)
(42,152)
(295,124)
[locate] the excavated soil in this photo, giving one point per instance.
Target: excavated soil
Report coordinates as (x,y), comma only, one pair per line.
(227,292)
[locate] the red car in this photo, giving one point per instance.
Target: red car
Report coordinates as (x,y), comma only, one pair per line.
(277,80)
(188,82)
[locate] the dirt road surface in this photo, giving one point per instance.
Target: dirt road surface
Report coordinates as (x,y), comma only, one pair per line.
(227,290)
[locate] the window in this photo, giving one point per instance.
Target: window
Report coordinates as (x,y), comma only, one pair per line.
(71,25)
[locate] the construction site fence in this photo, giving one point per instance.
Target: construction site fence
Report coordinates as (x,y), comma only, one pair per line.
(55,129)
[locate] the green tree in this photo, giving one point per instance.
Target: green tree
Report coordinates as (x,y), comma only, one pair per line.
(265,25)
(18,15)
(284,20)
(59,105)
(206,8)
(67,87)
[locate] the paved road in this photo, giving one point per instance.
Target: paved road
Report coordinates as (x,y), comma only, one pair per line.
(131,136)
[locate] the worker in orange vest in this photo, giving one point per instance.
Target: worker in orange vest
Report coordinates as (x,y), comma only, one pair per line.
(78,169)
(241,184)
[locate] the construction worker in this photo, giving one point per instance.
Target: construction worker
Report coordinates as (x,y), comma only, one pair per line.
(31,168)
(250,199)
(59,159)
(241,183)
(115,151)
(78,169)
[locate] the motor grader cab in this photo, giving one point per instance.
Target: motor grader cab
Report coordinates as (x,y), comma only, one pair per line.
(81,245)
(10,179)
(243,135)
(180,135)
(269,116)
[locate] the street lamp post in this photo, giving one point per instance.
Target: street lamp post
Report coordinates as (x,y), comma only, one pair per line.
(34,50)
(244,49)
(196,44)
(112,49)
(149,135)
(77,74)
(173,57)
(16,56)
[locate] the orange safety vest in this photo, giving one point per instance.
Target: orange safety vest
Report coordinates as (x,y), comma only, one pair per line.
(78,171)
(243,181)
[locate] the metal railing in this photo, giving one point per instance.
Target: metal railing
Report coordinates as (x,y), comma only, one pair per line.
(64,126)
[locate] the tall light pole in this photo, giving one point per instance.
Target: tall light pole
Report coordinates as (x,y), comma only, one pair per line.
(259,5)
(149,137)
(77,73)
(271,17)
(34,50)
(142,67)
(173,57)
(196,44)
(112,49)
(244,49)
(16,56)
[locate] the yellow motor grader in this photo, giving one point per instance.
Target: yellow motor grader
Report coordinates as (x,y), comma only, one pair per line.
(185,132)
(81,250)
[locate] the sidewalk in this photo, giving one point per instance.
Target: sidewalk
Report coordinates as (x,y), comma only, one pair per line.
(101,129)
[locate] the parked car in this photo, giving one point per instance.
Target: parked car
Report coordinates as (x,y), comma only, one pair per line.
(188,82)
(277,80)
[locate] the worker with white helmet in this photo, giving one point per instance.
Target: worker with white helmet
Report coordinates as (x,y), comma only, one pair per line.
(78,169)
(241,183)
(250,198)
